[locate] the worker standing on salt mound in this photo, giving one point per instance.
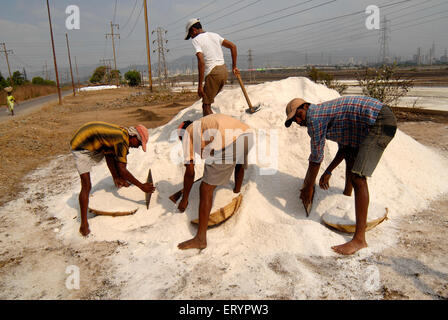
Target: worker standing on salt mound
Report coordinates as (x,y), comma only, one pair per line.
(362,123)
(224,143)
(96,140)
(211,65)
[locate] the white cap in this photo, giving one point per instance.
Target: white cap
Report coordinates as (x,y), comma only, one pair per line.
(190,23)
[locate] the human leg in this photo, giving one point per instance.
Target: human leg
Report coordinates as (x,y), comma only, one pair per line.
(205,206)
(86,186)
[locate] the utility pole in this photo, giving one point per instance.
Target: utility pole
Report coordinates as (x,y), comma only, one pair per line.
(161,54)
(54,55)
(7,60)
(46,70)
(113,35)
(77,73)
(70,63)
(107,64)
(251,66)
(147,46)
(384,41)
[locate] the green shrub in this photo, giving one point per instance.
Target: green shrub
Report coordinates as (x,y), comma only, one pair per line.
(133,77)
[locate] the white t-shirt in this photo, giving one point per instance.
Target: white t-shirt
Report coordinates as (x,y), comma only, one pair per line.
(210,44)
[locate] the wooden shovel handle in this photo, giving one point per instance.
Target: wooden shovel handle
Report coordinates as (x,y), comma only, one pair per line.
(244,90)
(178,194)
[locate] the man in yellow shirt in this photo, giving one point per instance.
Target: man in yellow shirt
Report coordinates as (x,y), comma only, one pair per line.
(224,143)
(97,140)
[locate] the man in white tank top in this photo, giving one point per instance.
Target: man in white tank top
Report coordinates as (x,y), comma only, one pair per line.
(211,66)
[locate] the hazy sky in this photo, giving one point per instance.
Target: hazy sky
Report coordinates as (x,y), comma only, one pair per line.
(264,26)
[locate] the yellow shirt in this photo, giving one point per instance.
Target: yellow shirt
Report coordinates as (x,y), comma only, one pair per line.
(104,137)
(215,131)
(10,100)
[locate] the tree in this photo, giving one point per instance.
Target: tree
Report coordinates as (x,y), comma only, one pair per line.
(114,75)
(3,82)
(17,78)
(98,75)
(38,80)
(384,84)
(326,79)
(133,77)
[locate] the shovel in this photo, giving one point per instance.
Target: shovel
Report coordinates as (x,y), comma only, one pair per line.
(251,108)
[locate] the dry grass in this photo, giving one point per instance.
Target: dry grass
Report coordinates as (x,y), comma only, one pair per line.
(28,91)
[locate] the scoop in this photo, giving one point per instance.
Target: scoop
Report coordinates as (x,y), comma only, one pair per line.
(251,108)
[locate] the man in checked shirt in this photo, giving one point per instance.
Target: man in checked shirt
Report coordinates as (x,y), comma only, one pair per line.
(363,126)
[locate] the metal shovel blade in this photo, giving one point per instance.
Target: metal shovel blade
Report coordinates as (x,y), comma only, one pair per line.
(253,109)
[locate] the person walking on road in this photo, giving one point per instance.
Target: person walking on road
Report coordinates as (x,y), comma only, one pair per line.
(10,100)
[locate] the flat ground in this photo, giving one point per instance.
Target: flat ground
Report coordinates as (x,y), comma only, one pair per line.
(33,261)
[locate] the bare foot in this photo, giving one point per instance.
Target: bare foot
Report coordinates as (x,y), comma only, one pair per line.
(350,247)
(194,243)
(84,230)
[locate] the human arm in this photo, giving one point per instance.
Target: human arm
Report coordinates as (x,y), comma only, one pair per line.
(111,164)
(325,178)
(233,49)
(188,183)
(125,174)
(306,192)
(201,72)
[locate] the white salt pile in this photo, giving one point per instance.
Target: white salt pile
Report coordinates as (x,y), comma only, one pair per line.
(258,252)
(96,88)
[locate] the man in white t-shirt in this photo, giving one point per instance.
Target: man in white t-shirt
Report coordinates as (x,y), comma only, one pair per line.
(211,66)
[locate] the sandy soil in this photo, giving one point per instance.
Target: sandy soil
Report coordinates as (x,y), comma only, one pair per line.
(33,261)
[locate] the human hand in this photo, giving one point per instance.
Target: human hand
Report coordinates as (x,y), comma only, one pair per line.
(200,91)
(324,181)
(236,71)
(120,182)
(306,195)
(183,204)
(148,188)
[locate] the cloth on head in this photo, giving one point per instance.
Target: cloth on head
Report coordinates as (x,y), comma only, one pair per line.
(141,133)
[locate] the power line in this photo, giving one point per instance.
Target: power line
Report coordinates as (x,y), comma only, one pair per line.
(268,14)
(227,14)
(130,16)
(285,16)
(189,14)
(135,24)
(316,22)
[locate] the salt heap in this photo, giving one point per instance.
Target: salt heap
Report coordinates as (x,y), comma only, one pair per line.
(270,229)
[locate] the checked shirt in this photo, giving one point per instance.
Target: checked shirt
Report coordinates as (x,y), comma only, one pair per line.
(345,120)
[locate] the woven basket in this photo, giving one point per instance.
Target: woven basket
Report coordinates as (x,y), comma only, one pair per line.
(224,213)
(350,228)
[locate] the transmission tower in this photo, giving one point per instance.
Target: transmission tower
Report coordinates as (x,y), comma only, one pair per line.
(384,40)
(251,66)
(112,35)
(161,50)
